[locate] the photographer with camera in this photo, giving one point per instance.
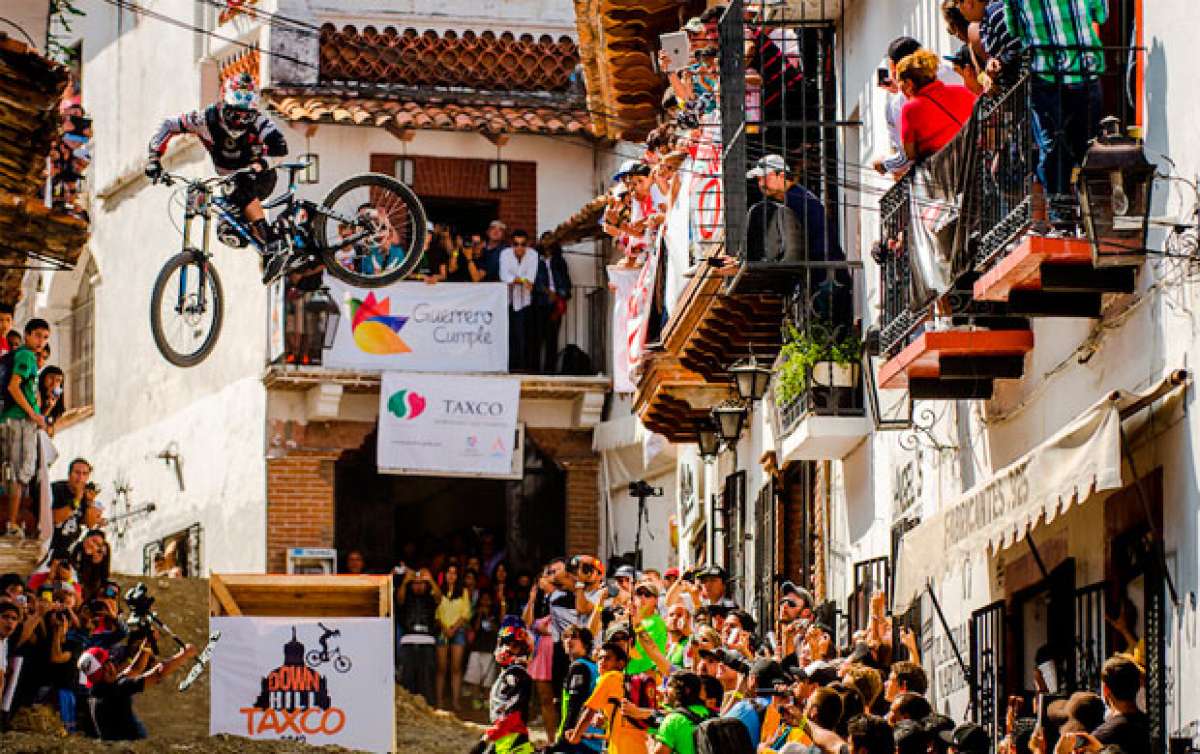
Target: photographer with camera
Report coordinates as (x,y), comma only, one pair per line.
(113,687)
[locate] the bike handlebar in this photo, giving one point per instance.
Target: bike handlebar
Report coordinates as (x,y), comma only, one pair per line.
(210,183)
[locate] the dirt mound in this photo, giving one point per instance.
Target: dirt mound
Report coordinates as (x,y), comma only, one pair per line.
(420,729)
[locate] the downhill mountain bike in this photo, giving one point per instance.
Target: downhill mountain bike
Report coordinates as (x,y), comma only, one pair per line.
(369,232)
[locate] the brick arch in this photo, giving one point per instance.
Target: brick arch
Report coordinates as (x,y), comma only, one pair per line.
(467,178)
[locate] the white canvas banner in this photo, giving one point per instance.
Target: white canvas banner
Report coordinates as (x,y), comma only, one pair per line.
(447,423)
(622,281)
(274,678)
(407,326)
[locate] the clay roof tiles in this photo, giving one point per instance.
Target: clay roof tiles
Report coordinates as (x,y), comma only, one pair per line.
(487,61)
(356,108)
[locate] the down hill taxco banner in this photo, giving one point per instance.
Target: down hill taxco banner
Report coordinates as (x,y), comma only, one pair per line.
(448,423)
(411,326)
(317,681)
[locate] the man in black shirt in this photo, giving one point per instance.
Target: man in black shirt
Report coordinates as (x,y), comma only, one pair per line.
(68,502)
(1127,726)
(112,690)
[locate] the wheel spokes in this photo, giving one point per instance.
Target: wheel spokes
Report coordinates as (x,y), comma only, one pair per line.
(186,320)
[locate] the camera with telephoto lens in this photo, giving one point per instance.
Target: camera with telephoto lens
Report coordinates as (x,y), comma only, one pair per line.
(141,615)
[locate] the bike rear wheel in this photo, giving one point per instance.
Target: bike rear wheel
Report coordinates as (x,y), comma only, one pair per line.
(386,219)
(341,664)
(187,308)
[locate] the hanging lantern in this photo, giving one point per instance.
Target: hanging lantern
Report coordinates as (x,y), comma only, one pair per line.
(729,418)
(708,442)
(1115,184)
(326,315)
(751,378)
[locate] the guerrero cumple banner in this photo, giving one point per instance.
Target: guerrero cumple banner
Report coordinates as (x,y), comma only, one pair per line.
(326,681)
(447,423)
(448,327)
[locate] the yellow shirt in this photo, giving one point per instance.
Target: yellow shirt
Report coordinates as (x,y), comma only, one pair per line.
(623,737)
(451,611)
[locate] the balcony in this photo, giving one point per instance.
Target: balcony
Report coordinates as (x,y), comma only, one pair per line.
(820,412)
(966,261)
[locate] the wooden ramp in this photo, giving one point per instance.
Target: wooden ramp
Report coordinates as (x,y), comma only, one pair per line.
(300,596)
(19,555)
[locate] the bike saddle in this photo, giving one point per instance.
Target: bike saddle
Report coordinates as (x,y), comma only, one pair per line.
(293,165)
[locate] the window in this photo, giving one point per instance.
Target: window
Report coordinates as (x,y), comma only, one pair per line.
(79,327)
(175,555)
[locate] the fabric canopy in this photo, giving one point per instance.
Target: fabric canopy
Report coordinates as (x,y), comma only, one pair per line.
(1080,460)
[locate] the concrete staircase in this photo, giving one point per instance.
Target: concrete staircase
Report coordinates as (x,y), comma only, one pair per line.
(18,555)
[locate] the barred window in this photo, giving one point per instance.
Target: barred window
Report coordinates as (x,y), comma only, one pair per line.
(80,327)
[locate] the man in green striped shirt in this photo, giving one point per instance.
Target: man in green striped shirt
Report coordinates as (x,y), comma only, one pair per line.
(1063,39)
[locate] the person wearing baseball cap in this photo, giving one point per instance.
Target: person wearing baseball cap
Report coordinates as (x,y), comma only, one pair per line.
(112,689)
(712,595)
(649,627)
(778,187)
(589,584)
(967,738)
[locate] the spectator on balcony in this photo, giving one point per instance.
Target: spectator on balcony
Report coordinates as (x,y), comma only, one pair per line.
(934,112)
(551,292)
(898,163)
(496,242)
(466,263)
(1065,96)
(436,262)
(991,41)
(967,68)
(518,269)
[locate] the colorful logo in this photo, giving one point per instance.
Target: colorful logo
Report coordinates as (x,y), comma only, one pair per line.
(406,404)
(375,329)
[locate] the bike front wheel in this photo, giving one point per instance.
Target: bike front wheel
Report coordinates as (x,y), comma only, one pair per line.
(341,664)
(370,230)
(187,308)
(313,658)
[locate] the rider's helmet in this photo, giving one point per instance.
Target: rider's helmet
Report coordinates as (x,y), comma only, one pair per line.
(239,103)
(513,643)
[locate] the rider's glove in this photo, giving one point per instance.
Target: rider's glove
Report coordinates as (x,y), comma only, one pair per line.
(154,170)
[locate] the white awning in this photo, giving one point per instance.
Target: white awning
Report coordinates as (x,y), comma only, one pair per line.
(1080,460)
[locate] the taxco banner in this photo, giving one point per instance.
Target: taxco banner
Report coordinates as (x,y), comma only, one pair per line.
(408,326)
(447,423)
(326,681)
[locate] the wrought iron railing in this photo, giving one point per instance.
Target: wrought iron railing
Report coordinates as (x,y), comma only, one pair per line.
(899,318)
(1001,207)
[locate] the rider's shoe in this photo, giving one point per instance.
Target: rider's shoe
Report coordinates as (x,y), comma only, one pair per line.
(274,261)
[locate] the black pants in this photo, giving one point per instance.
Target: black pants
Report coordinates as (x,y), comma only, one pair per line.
(250,186)
(418,668)
(518,339)
(544,340)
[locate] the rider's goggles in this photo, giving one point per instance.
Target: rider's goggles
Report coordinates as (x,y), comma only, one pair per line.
(240,118)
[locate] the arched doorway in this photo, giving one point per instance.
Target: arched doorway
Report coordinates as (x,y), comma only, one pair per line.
(394,518)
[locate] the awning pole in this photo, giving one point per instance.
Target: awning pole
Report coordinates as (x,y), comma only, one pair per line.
(1155,536)
(1037,556)
(937,607)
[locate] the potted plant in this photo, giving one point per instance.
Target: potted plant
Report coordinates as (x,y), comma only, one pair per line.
(832,362)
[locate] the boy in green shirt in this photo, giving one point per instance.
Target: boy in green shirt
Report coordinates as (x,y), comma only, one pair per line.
(677,733)
(21,420)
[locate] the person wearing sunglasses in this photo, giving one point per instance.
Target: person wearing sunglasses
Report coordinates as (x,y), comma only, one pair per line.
(236,135)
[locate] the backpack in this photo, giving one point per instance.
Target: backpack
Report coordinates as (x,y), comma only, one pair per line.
(6,372)
(641,691)
(723,735)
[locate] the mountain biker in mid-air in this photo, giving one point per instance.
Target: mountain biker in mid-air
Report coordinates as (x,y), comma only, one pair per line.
(236,136)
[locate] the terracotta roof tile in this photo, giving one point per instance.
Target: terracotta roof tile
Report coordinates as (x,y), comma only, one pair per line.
(503,62)
(585,223)
(338,107)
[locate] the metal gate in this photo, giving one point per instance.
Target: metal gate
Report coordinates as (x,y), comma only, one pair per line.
(1090,639)
(987,668)
(869,577)
(1156,656)
(765,556)
(733,505)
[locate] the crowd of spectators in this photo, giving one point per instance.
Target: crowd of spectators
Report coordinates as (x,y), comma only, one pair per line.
(633,662)
(65,642)
(70,156)
(68,642)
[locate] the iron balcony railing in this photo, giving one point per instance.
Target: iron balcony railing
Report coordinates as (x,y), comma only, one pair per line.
(1000,194)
